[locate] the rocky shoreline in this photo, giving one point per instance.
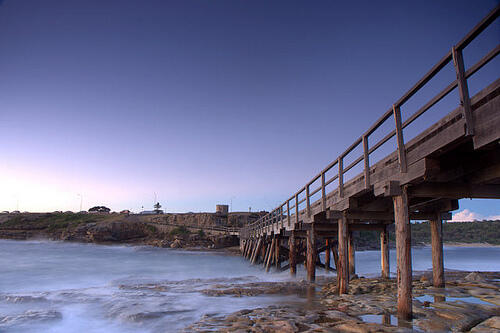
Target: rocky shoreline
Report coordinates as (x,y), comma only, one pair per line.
(111,229)
(470,302)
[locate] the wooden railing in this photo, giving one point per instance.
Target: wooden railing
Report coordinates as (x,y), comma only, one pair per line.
(455,55)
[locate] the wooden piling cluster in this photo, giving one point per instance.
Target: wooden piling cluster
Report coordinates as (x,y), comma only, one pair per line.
(457,157)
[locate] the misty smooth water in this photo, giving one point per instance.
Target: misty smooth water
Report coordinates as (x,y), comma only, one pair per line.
(70,287)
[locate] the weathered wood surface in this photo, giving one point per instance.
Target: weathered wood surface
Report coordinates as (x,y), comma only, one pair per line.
(311,255)
(403,255)
(352,254)
(342,264)
(327,255)
(292,254)
(384,253)
(436,225)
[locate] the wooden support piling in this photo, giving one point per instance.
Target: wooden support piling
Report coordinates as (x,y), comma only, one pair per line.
(268,248)
(270,255)
(277,253)
(335,254)
(352,254)
(403,254)
(384,253)
(263,249)
(437,251)
(257,249)
(249,249)
(342,265)
(245,246)
(327,255)
(292,254)
(311,254)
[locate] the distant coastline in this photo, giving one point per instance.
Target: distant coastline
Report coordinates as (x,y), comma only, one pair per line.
(457,244)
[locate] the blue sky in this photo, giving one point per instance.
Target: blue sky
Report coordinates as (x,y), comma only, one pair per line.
(207,102)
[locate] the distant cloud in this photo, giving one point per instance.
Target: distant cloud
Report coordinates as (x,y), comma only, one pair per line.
(469,216)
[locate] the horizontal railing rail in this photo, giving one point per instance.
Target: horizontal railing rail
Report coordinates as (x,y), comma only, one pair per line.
(455,55)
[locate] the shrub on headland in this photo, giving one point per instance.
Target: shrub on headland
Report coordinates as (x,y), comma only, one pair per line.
(179,231)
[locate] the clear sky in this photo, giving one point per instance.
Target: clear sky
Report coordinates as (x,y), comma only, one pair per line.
(206,102)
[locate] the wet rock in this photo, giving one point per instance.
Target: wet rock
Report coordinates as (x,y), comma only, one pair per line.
(489,325)
(176,244)
(474,276)
(30,317)
(22,299)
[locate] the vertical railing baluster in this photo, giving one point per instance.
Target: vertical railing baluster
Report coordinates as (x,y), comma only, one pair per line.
(288,212)
(296,208)
(396,111)
(323,192)
(308,202)
(341,176)
(367,162)
(463,89)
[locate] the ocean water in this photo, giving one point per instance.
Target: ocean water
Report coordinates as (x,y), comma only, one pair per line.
(455,258)
(70,287)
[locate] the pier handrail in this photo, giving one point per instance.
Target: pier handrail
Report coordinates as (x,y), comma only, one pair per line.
(304,194)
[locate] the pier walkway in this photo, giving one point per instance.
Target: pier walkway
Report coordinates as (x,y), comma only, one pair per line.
(456,157)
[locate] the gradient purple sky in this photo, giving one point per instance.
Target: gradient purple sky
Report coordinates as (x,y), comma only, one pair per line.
(205,102)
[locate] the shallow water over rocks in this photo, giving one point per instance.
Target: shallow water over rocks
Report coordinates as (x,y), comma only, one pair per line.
(61,287)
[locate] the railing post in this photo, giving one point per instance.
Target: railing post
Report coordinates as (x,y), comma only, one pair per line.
(323,192)
(308,203)
(341,177)
(366,157)
(396,111)
(463,89)
(280,210)
(297,208)
(288,212)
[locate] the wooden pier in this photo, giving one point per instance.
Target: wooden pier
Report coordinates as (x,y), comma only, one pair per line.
(422,179)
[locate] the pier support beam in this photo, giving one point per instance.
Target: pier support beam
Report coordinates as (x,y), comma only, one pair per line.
(311,254)
(437,251)
(384,253)
(403,254)
(292,254)
(335,253)
(249,249)
(327,255)
(342,265)
(268,249)
(352,255)
(277,252)
(263,249)
(270,255)
(257,250)
(248,246)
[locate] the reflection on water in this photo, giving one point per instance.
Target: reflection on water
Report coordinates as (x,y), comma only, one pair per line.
(385,319)
(440,298)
